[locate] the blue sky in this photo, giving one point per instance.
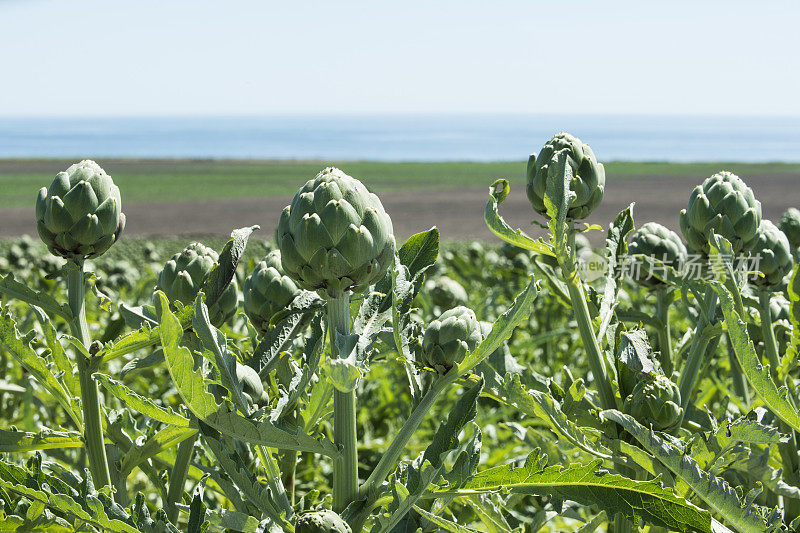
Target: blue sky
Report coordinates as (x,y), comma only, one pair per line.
(181,57)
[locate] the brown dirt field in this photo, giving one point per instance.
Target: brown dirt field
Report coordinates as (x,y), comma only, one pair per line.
(457,213)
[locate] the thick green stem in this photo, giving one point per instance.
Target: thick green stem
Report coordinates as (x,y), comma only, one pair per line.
(663,300)
(273,476)
(737,375)
(389,459)
(90,397)
(345,469)
(770,344)
(697,351)
(288,466)
(177,479)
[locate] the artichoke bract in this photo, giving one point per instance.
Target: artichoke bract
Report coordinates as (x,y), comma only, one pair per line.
(658,242)
(184,274)
(655,401)
(588,176)
(268,290)
(80,215)
(449,338)
(321,522)
(790,225)
(446,292)
(335,237)
(774,255)
(725,205)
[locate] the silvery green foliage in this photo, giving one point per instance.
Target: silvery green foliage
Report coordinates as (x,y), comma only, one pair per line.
(655,401)
(446,292)
(588,182)
(790,225)
(268,290)
(775,257)
(321,522)
(661,243)
(449,338)
(335,236)
(725,205)
(184,274)
(80,214)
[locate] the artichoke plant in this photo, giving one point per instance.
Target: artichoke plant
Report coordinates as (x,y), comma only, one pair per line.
(658,242)
(449,338)
(725,205)
(790,225)
(268,290)
(655,401)
(184,274)
(446,292)
(588,176)
(335,237)
(80,215)
(774,255)
(321,522)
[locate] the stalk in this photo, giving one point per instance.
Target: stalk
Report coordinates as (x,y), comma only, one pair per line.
(345,469)
(90,397)
(697,351)
(739,381)
(664,333)
(177,479)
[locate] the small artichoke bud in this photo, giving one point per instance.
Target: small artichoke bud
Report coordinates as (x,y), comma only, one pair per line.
(774,256)
(658,242)
(184,274)
(80,215)
(790,225)
(268,290)
(446,292)
(252,387)
(588,176)
(655,401)
(321,522)
(779,307)
(335,237)
(725,205)
(449,339)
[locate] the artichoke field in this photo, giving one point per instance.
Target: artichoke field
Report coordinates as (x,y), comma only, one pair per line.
(360,383)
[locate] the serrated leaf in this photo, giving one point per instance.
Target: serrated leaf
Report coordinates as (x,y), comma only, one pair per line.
(44,439)
(14,289)
(162,440)
(221,275)
(140,404)
(498,191)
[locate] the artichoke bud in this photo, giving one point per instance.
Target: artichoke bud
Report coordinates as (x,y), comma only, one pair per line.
(449,338)
(774,255)
(80,215)
(655,401)
(446,292)
(335,237)
(184,275)
(780,308)
(790,225)
(321,522)
(725,205)
(588,176)
(268,290)
(658,242)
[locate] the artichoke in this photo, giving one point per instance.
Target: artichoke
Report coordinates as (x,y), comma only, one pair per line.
(449,338)
(80,215)
(252,387)
(446,292)
(790,225)
(184,274)
(773,253)
(321,522)
(779,306)
(655,401)
(660,243)
(725,205)
(268,290)
(588,181)
(335,237)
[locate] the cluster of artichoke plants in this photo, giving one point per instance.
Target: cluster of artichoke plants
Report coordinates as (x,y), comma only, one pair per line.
(361,384)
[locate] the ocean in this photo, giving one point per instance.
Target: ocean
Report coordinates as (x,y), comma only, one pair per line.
(404,137)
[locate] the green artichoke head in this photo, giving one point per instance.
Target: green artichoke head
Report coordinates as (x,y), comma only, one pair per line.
(184,275)
(335,237)
(656,241)
(790,225)
(725,205)
(773,253)
(446,292)
(588,176)
(80,215)
(449,338)
(655,401)
(268,290)
(321,522)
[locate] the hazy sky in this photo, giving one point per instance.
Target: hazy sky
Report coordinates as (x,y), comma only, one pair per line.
(258,57)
